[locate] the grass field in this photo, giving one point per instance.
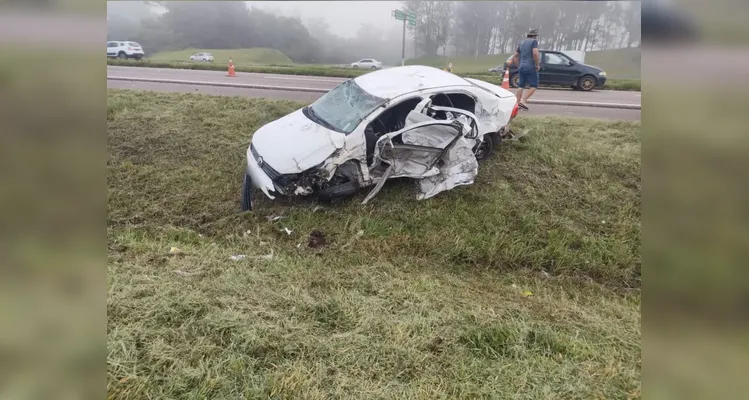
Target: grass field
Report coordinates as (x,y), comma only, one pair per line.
(253,56)
(619,64)
(523,285)
(319,70)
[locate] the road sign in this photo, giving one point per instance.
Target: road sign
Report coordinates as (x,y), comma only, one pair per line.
(405,17)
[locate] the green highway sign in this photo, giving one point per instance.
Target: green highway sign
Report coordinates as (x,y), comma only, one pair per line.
(401,16)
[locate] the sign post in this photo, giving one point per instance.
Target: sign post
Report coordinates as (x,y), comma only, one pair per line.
(405,17)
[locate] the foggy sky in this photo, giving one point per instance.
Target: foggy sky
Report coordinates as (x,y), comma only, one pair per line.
(344,17)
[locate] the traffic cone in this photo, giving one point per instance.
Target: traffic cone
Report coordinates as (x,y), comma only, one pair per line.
(231,68)
(506,80)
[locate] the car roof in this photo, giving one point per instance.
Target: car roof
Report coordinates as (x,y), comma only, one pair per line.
(396,81)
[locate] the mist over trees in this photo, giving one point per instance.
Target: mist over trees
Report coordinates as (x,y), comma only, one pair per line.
(451,28)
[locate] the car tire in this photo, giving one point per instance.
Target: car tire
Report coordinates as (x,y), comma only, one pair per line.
(497,138)
(587,83)
(514,79)
(341,191)
(484,151)
(355,67)
(247,203)
(122,55)
(373,68)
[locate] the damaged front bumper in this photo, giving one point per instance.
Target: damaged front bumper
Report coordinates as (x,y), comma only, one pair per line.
(260,179)
(269,181)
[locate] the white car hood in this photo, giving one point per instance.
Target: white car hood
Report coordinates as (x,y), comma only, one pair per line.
(295,143)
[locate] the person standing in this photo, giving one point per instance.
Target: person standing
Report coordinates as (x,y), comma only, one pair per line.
(528,61)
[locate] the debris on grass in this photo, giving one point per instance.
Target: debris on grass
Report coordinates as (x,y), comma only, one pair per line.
(267,256)
(287,230)
(238,257)
(316,239)
(176,251)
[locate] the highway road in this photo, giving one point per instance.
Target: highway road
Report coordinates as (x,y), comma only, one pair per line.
(292,81)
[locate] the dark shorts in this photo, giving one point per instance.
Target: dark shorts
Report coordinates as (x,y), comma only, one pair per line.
(528,78)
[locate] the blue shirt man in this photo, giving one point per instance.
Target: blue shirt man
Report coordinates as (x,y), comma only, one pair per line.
(528,61)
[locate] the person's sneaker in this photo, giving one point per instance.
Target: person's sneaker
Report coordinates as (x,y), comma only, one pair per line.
(523,106)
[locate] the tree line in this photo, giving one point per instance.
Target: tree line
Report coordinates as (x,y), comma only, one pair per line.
(465,28)
(473,28)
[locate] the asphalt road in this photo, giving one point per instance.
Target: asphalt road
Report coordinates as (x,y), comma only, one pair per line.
(602,96)
(567,111)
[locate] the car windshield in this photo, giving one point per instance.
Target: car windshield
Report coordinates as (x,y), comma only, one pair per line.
(343,108)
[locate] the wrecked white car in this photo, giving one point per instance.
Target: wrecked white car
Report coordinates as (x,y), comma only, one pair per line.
(415,121)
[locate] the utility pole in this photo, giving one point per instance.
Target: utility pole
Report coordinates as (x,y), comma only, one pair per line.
(403,47)
(415,52)
(405,17)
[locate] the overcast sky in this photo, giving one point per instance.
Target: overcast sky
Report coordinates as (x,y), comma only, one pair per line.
(344,17)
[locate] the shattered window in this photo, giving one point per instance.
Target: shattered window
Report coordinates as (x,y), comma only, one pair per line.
(343,108)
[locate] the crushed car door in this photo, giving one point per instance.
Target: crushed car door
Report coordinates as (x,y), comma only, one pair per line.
(435,152)
(467,118)
(415,150)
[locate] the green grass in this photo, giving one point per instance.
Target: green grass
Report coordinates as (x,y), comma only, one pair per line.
(319,70)
(408,299)
(620,63)
(312,70)
(252,56)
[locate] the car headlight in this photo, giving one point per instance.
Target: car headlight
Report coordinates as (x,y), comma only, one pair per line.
(602,73)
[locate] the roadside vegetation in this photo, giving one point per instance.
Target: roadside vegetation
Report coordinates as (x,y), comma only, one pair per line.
(239,56)
(527,282)
(322,70)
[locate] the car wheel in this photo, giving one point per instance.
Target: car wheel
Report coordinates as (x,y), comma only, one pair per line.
(247,200)
(514,80)
(497,138)
(373,68)
(485,149)
(122,55)
(574,87)
(587,83)
(341,191)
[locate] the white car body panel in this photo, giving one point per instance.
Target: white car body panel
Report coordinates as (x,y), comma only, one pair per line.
(407,79)
(305,143)
(294,143)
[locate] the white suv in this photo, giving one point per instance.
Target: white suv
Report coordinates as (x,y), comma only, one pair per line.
(124,50)
(367,63)
(202,57)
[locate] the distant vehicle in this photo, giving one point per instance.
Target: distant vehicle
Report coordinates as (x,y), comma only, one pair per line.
(205,57)
(558,68)
(124,50)
(367,63)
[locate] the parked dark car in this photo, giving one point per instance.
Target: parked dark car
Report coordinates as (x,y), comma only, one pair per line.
(559,69)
